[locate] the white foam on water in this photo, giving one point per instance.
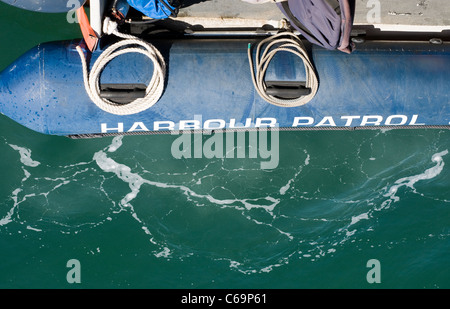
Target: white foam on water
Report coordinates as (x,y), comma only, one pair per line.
(135,182)
(24,196)
(164,253)
(286,187)
(391,191)
(8,217)
(307,159)
(410,181)
(248,270)
(267,203)
(269,268)
(356,219)
(116,143)
(25,156)
(27,175)
(33,229)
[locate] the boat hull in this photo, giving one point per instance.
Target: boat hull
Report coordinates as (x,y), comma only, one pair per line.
(209,87)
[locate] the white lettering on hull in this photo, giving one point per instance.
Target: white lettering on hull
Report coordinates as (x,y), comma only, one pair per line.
(266,122)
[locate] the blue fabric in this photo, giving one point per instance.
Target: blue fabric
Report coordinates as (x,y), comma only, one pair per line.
(152,8)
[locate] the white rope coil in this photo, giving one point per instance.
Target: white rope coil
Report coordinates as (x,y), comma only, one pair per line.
(130,44)
(289,42)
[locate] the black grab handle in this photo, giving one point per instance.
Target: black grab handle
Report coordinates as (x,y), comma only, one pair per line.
(287,89)
(122,93)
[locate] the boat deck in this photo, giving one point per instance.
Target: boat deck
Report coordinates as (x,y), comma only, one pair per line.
(386,15)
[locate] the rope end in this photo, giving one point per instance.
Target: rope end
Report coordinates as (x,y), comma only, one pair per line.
(79,50)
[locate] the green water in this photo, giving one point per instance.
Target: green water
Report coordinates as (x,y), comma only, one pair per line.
(134,216)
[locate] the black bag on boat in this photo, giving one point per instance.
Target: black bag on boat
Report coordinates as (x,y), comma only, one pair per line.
(327,23)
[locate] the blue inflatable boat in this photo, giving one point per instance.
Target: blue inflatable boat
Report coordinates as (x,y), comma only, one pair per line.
(208,86)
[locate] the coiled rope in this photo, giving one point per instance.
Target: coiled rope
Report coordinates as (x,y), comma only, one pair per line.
(289,42)
(130,44)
